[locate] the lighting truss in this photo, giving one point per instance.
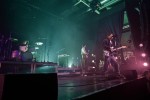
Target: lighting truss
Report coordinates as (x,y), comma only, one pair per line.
(104,4)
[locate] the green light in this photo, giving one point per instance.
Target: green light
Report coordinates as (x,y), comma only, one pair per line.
(39,43)
(36,48)
(104,1)
(70,63)
(106,4)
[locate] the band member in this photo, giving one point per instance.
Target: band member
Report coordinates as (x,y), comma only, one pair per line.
(25,54)
(24,46)
(109,57)
(84,55)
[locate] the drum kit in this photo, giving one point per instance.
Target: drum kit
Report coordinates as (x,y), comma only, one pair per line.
(9,51)
(23,54)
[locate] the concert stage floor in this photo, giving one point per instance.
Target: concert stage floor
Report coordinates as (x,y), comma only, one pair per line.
(72,87)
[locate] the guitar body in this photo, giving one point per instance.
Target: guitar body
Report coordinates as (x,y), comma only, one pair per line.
(85,56)
(106,52)
(113,51)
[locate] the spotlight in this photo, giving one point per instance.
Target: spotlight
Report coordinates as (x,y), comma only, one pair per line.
(145,64)
(141,45)
(93,55)
(143,55)
(93,67)
(116,58)
(39,43)
(36,48)
(93,61)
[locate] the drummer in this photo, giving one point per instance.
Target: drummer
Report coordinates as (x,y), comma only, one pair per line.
(25,53)
(20,50)
(15,56)
(24,46)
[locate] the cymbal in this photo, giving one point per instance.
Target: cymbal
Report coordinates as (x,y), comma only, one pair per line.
(13,39)
(10,39)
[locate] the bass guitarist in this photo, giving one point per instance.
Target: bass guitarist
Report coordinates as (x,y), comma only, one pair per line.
(109,48)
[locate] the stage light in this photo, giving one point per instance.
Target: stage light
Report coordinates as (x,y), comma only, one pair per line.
(93,55)
(39,43)
(116,58)
(93,67)
(36,48)
(70,66)
(93,61)
(104,1)
(141,45)
(145,64)
(143,55)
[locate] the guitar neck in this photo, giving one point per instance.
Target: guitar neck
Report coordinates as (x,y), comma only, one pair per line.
(118,48)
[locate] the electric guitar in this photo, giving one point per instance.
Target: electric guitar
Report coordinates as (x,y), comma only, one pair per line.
(112,50)
(85,55)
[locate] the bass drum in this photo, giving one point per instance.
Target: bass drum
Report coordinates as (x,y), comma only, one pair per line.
(26,56)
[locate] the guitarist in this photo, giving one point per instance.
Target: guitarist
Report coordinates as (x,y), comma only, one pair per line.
(84,55)
(109,58)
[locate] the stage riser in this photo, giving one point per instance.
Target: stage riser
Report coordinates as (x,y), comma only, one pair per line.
(7,68)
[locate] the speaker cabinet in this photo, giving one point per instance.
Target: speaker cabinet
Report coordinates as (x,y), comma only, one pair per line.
(130,74)
(29,86)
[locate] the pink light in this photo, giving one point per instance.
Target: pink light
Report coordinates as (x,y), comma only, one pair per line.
(141,45)
(143,55)
(93,67)
(116,58)
(145,64)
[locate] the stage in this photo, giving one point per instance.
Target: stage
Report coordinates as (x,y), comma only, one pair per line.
(99,87)
(73,87)
(68,83)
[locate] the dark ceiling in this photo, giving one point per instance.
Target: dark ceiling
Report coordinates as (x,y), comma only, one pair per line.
(58,23)
(26,16)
